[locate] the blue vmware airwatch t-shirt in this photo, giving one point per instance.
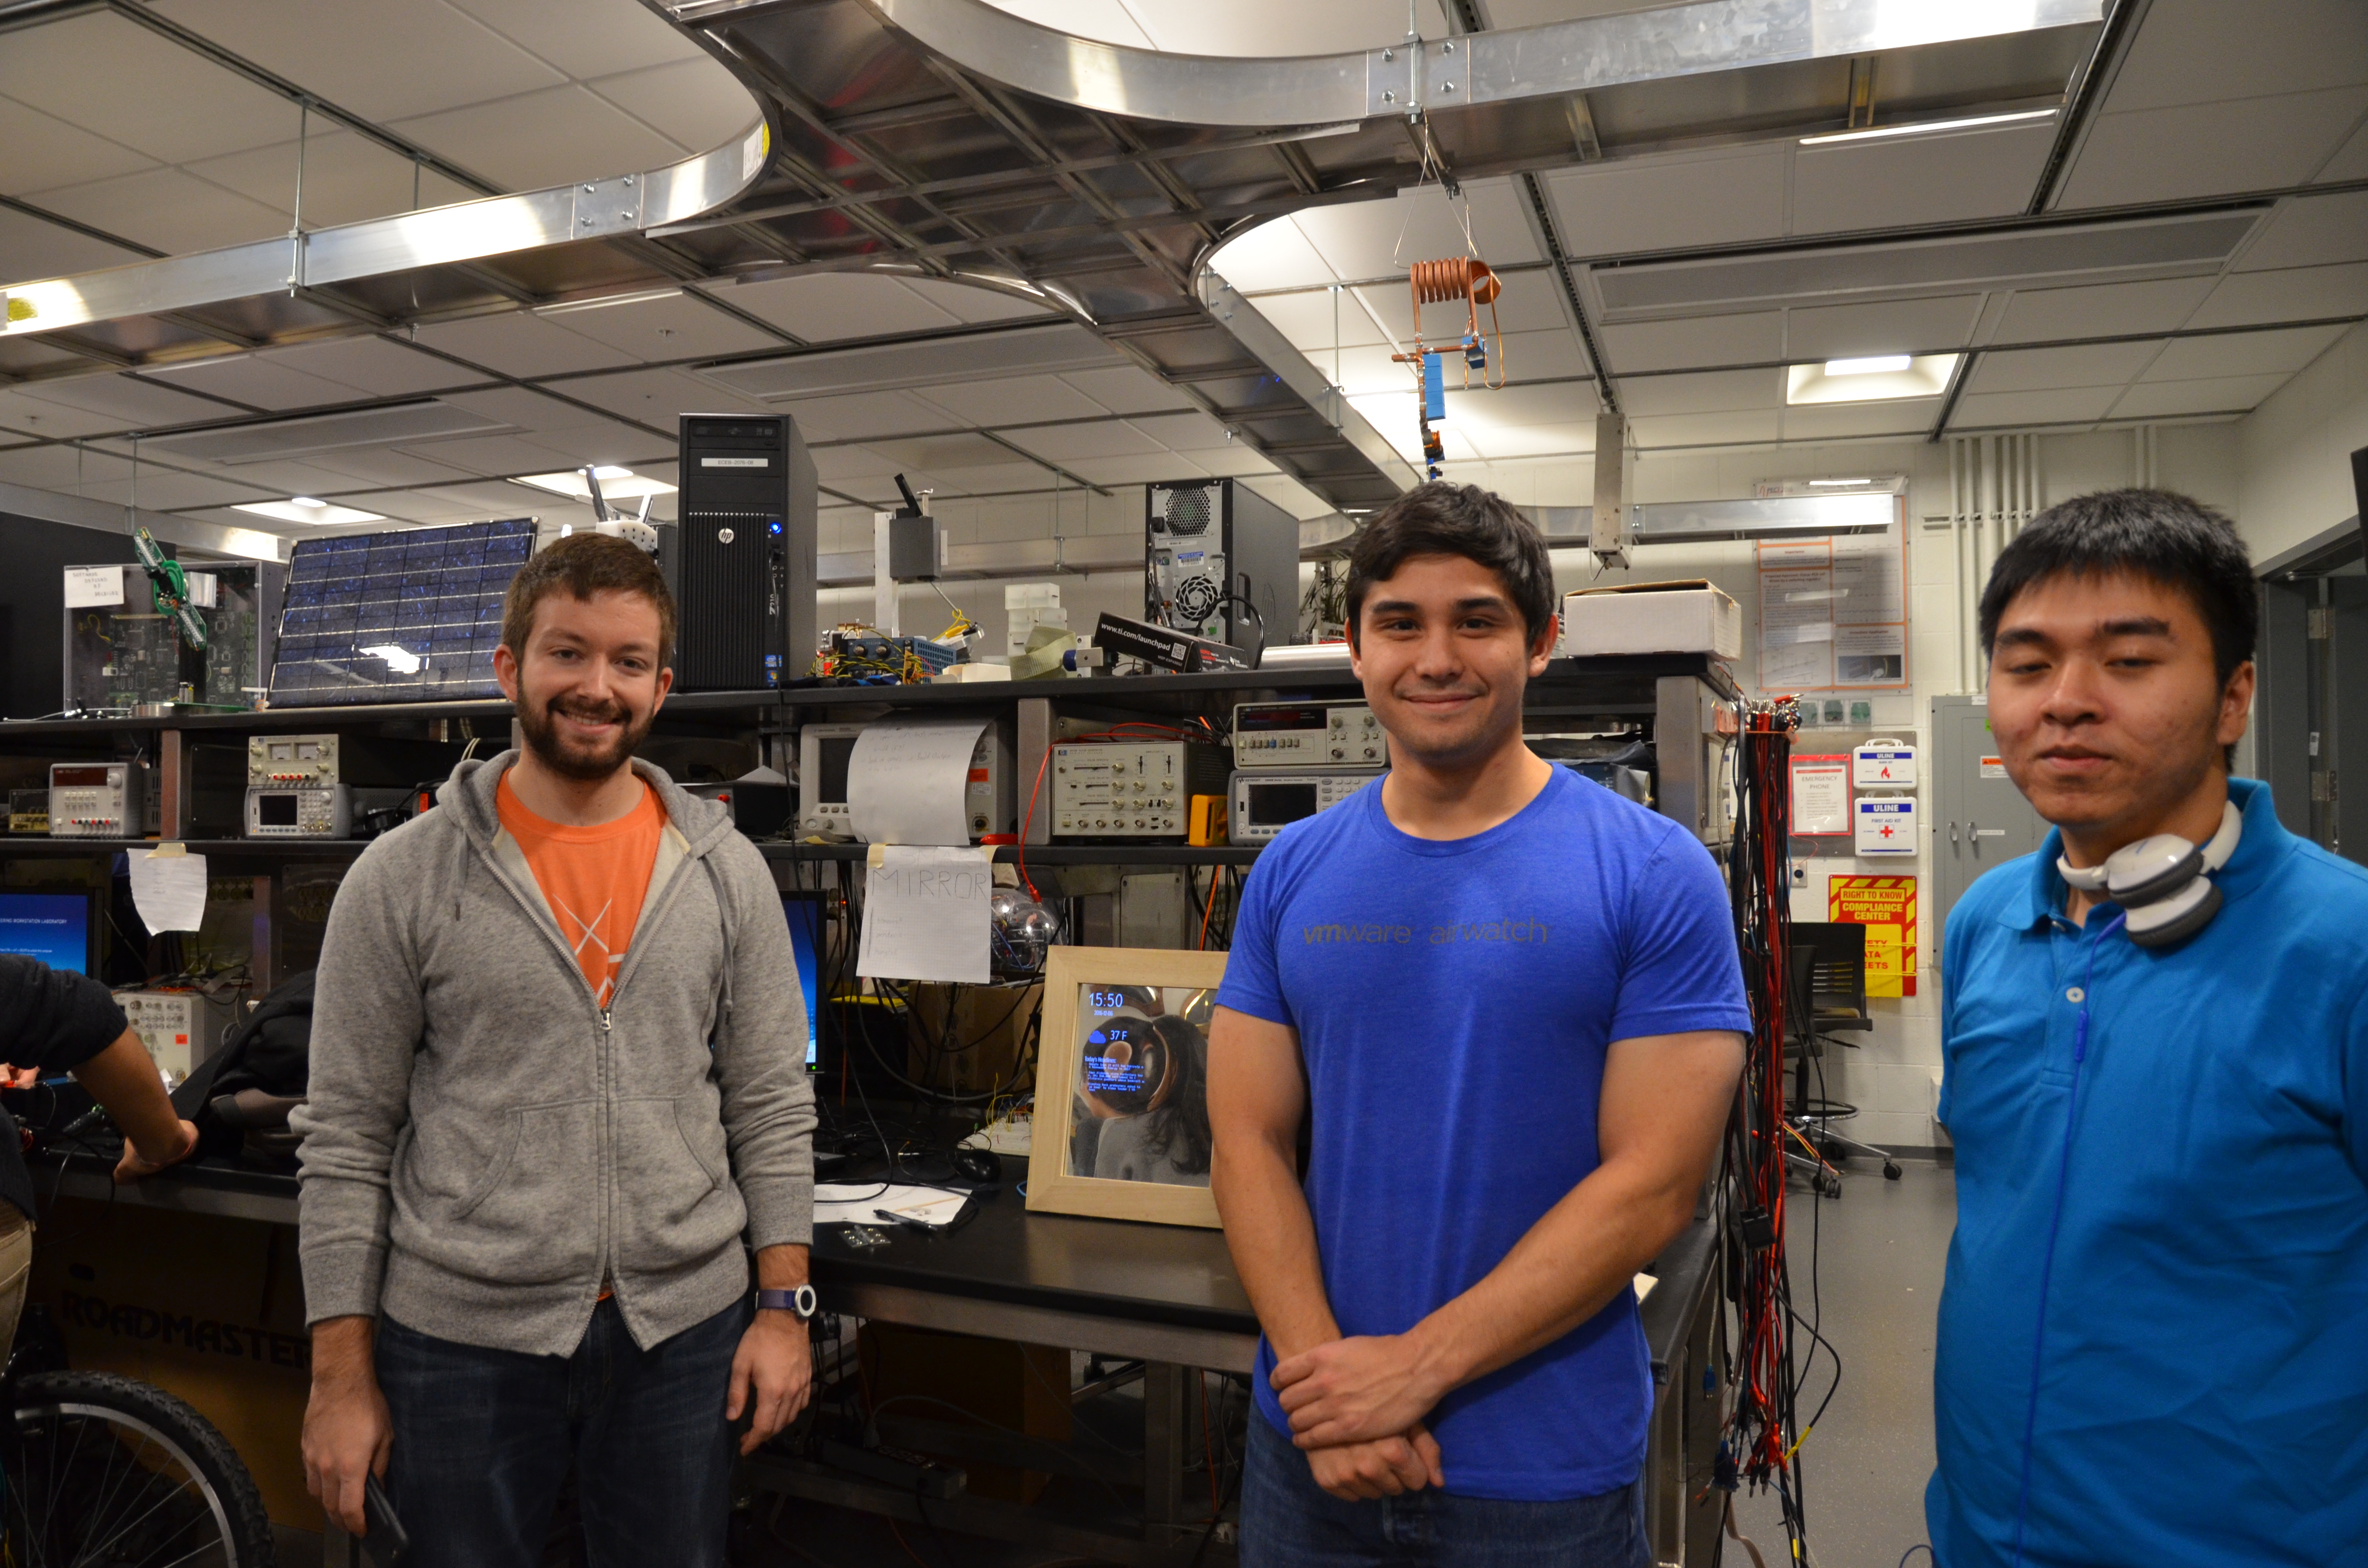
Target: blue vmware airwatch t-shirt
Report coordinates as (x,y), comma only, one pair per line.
(1454,1002)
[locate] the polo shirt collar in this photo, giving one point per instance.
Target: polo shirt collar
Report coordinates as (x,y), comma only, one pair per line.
(2264,842)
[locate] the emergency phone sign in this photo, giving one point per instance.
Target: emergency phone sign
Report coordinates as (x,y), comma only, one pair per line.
(1884,764)
(1887,825)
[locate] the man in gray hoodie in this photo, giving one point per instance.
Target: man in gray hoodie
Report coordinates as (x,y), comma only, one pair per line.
(557,1096)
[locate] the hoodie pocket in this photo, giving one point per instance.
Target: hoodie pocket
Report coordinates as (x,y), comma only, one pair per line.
(504,1195)
(676,1203)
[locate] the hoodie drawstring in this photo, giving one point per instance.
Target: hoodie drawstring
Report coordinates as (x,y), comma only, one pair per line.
(731,937)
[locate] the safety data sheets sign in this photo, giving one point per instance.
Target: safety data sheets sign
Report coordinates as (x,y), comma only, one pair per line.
(1886,907)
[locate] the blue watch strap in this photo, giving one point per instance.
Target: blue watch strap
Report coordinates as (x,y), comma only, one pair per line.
(800,1300)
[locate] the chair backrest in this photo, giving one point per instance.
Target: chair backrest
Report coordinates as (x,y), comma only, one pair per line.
(1835,993)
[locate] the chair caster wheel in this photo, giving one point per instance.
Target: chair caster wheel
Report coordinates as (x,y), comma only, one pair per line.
(1890,1171)
(1832,1187)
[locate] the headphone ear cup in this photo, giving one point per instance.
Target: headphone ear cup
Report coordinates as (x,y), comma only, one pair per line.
(2155,869)
(2179,926)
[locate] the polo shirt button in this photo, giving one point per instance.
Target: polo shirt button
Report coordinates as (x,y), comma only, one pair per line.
(2076,994)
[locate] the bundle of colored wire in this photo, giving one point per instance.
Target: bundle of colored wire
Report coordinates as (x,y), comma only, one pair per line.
(1762,1441)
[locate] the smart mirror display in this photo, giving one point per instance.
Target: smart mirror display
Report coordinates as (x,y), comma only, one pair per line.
(1142,1101)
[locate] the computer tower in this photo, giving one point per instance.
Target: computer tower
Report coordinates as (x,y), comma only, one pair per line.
(744,553)
(1209,544)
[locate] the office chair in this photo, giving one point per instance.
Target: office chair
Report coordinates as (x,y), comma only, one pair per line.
(1826,992)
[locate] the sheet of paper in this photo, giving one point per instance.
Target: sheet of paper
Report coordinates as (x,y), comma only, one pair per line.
(1820,795)
(168,888)
(926,916)
(859,1203)
(94,588)
(907,781)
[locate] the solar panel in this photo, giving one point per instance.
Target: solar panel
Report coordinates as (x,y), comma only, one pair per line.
(407,617)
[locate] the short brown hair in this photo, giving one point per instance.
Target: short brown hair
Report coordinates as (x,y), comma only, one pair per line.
(1440,518)
(582,565)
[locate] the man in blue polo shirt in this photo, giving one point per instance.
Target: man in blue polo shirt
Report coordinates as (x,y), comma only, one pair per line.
(2154,1338)
(1507,1002)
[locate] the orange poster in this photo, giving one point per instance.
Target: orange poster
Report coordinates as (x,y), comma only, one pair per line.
(1886,907)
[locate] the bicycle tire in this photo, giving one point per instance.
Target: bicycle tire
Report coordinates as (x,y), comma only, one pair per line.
(58,1474)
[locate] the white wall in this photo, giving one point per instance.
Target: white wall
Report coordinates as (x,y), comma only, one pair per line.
(2294,452)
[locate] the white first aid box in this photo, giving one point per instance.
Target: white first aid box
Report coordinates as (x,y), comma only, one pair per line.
(1685,617)
(1884,764)
(1887,825)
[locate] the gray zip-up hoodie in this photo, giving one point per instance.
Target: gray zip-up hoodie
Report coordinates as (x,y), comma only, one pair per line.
(483,1144)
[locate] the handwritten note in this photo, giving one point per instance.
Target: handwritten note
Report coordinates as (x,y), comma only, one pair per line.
(168,888)
(925,913)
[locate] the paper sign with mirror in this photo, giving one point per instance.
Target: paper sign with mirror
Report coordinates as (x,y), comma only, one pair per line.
(1122,1087)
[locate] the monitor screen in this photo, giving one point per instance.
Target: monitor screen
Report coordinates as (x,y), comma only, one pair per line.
(837,751)
(51,926)
(806,926)
(1273,805)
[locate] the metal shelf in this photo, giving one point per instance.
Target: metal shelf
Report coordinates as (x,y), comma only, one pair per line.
(12,848)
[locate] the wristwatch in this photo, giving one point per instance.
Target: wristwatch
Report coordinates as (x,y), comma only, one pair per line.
(800,1300)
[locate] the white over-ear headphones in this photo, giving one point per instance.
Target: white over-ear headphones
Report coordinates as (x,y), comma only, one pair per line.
(2163,881)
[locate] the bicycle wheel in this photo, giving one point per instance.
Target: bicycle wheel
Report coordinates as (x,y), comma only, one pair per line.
(109,1472)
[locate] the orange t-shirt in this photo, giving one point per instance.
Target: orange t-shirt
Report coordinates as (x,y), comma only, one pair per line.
(593,878)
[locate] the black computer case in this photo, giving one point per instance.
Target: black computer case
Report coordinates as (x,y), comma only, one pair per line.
(743,555)
(1208,545)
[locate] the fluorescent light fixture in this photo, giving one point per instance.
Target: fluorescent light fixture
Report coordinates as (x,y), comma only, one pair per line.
(399,659)
(1870,381)
(1924,127)
(304,509)
(1844,483)
(616,484)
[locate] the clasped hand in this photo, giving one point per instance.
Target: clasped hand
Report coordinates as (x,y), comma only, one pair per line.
(1356,1407)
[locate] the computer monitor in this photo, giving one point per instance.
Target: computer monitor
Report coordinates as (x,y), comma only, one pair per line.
(807,928)
(51,926)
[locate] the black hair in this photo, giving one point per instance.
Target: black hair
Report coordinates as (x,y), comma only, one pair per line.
(1182,1114)
(2157,534)
(1440,518)
(2177,542)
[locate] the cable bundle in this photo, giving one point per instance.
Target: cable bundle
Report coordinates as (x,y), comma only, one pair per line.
(1762,1441)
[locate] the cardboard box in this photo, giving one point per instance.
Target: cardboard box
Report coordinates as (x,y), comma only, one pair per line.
(1685,617)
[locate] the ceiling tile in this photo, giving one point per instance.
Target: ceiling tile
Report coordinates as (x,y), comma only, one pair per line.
(1532,440)
(2166,154)
(117,79)
(30,248)
(346,179)
(1138,470)
(1012,400)
(521,407)
(1704,429)
(1123,388)
(1241,458)
(839,465)
(521,344)
(1820,422)
(390,465)
(304,479)
(620,444)
(1184,432)
(1669,203)
(825,306)
(46,467)
(1896,326)
(374,365)
(542,139)
(1273,254)
(1558,403)
(160,491)
(974,302)
(1362,239)
(168,210)
(131,401)
(655,398)
(586,40)
(2089,365)
(44,151)
(2105,310)
(2310,231)
(1290,494)
(679,326)
(1891,184)
(2349,163)
(1307,320)
(1063,443)
(251,379)
(490,455)
(863,415)
(2063,406)
(2242,354)
(351,52)
(34,417)
(2218,394)
(1703,392)
(2196,50)
(990,479)
(961,450)
(2304,293)
(695,103)
(1706,341)
(1541,355)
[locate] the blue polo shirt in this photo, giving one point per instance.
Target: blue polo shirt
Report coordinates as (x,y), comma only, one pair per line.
(1454,1000)
(2203,1392)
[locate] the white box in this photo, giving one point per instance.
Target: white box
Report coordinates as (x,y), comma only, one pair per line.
(1884,764)
(1687,617)
(1887,825)
(171,1024)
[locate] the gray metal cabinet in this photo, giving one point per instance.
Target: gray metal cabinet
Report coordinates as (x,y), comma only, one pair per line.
(1979,819)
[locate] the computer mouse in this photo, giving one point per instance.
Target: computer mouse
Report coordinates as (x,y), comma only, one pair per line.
(978,1166)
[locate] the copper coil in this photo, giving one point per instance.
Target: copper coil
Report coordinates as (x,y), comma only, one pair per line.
(1458,277)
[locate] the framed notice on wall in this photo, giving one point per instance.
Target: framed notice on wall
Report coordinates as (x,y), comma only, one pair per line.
(1886,907)
(1833,610)
(1821,797)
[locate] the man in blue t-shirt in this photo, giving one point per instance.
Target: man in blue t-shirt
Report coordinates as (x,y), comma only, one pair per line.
(2154,1336)
(1507,1002)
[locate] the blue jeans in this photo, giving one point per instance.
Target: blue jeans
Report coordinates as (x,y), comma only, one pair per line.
(484,1439)
(1288,1521)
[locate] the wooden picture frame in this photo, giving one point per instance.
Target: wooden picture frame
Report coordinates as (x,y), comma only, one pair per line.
(1053,1186)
